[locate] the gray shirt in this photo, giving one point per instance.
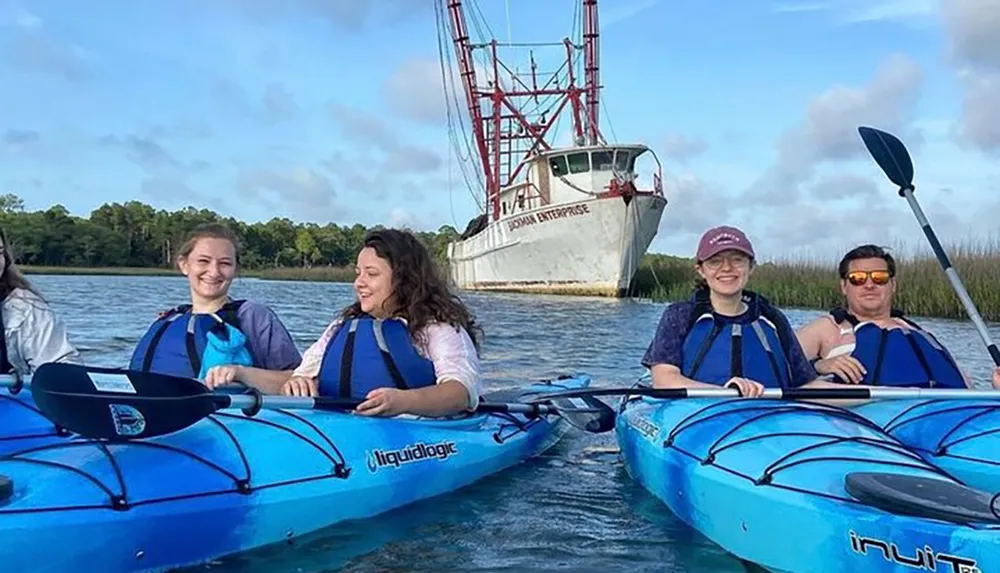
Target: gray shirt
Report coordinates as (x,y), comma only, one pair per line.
(34,334)
(270,343)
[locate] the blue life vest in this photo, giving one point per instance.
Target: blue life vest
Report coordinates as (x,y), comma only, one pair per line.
(901,357)
(368,353)
(181,343)
(719,347)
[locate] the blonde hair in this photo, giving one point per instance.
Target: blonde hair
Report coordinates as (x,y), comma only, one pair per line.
(208,231)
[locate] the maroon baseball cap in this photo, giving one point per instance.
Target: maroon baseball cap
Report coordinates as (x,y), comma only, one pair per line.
(723,238)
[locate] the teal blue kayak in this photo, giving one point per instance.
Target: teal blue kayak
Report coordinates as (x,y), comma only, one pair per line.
(961,437)
(22,425)
(232,483)
(800,487)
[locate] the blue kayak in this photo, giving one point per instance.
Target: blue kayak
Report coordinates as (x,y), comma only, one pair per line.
(232,483)
(961,437)
(22,425)
(800,487)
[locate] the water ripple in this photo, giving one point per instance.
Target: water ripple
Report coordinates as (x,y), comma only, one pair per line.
(573,509)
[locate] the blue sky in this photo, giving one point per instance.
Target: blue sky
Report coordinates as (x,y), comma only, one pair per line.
(331,110)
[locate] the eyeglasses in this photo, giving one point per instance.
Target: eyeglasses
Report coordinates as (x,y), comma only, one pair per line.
(735,261)
(858,278)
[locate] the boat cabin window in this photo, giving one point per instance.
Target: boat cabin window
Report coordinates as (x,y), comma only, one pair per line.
(602,160)
(579,162)
(558,165)
(622,163)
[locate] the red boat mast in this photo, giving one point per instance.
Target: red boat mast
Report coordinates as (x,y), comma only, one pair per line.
(510,123)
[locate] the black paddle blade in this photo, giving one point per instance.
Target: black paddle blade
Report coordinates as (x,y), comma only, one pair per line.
(922,497)
(586,413)
(117,404)
(890,154)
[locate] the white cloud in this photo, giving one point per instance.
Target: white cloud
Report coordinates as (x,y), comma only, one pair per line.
(861,11)
(973,34)
(682,147)
(414,90)
(828,130)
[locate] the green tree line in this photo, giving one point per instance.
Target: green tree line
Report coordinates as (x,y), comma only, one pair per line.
(137,235)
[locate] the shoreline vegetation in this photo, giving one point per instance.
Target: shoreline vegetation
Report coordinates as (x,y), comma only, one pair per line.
(924,289)
(134,238)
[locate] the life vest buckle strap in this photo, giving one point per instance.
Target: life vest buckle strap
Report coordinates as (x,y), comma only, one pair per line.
(347,359)
(390,364)
(736,358)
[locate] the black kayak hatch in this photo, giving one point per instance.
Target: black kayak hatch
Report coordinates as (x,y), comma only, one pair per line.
(919,496)
(6,488)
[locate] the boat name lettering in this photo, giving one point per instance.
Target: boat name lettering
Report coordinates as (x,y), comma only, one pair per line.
(925,558)
(648,429)
(413,453)
(547,215)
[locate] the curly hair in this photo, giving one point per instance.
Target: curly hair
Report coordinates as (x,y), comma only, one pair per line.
(419,289)
(12,278)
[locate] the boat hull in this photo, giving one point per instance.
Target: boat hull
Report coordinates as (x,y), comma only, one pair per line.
(588,247)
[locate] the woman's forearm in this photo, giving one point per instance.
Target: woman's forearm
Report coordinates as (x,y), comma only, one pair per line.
(267,381)
(667,376)
(443,399)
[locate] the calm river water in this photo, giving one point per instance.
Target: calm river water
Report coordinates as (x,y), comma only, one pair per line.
(574,509)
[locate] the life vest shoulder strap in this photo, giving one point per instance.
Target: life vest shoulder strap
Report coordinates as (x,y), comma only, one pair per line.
(841,314)
(703,306)
(229,313)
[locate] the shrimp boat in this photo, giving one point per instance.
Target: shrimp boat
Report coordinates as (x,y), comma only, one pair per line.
(566,219)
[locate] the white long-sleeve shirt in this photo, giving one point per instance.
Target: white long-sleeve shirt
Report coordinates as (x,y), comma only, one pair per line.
(34,334)
(450,349)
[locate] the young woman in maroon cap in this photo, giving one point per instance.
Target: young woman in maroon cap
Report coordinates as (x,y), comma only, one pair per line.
(725,335)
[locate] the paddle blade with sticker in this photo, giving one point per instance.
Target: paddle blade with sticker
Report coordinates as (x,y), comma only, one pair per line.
(586,413)
(116,404)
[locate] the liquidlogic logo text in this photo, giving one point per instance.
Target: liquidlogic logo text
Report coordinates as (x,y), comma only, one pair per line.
(923,559)
(410,454)
(648,429)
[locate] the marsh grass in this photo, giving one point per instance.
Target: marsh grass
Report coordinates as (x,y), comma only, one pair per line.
(325,274)
(110,271)
(924,289)
(319,274)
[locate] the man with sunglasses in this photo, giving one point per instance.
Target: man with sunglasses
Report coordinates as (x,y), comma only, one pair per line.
(869,341)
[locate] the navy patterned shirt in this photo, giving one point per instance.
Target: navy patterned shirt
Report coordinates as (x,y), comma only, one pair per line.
(667,346)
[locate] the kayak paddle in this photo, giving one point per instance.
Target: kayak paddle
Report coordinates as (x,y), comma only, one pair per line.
(845,393)
(891,155)
(118,404)
(14,382)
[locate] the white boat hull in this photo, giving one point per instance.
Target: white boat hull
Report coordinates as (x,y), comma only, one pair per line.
(588,247)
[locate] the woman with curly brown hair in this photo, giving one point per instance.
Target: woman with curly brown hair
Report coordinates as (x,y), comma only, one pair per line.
(407,345)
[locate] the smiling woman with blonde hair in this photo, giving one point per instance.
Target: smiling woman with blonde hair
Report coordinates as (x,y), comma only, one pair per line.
(216,338)
(407,345)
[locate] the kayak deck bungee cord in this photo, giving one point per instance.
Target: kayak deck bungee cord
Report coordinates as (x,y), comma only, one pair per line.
(22,425)
(781,485)
(232,482)
(961,437)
